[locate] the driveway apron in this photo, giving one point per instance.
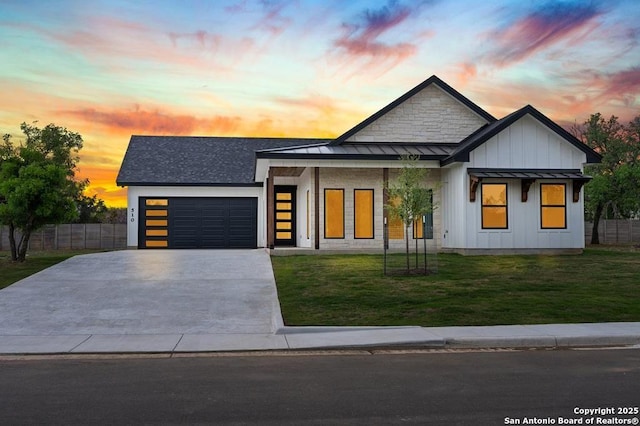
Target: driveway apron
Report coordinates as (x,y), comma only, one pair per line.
(146,292)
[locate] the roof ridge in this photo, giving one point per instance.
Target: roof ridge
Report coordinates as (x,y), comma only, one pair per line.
(417,89)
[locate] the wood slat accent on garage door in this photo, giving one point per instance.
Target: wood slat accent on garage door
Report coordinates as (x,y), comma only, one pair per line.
(208,222)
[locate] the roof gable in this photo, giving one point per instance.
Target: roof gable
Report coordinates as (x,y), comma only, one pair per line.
(475,114)
(482,135)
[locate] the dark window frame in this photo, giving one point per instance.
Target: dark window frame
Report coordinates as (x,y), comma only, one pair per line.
(483,205)
(563,206)
(325,214)
(429,220)
(373,214)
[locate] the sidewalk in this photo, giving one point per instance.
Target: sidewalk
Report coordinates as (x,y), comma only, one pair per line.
(303,338)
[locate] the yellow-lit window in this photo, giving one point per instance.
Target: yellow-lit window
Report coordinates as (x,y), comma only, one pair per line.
(395,227)
(156,243)
(156,223)
(334,213)
(553,206)
(283,206)
(157,202)
(494,206)
(283,235)
(156,213)
(283,196)
(156,232)
(363,213)
(424,224)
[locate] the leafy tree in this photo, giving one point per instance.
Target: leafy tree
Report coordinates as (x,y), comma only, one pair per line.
(615,187)
(90,209)
(116,215)
(409,197)
(36,182)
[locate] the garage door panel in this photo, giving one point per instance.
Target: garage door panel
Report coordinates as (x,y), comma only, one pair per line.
(210,222)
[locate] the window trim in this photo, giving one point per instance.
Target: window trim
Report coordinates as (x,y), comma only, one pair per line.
(325,214)
(483,205)
(373,214)
(564,206)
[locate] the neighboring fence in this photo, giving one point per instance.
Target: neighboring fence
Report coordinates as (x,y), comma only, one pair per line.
(615,231)
(74,236)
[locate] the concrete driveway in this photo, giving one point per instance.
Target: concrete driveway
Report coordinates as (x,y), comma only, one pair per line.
(146,292)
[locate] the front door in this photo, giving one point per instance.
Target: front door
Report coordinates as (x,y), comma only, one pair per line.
(285,215)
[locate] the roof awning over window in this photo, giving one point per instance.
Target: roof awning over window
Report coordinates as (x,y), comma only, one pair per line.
(527,177)
(527,174)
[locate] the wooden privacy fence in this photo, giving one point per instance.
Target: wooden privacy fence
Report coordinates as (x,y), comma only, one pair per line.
(615,231)
(114,235)
(77,236)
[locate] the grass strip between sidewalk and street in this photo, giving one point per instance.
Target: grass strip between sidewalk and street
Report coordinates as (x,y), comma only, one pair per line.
(600,285)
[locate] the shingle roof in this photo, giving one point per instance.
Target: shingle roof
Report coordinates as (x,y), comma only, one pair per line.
(189,160)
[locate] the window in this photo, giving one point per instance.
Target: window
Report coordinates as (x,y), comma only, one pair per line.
(334,213)
(156,231)
(494,206)
(395,227)
(428,225)
(553,207)
(363,213)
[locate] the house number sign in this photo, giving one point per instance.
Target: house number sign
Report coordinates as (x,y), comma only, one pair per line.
(133,216)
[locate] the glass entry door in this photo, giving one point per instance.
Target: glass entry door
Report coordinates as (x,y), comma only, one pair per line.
(285,215)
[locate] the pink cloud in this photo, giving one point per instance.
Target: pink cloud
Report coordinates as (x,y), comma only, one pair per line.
(362,39)
(157,122)
(548,25)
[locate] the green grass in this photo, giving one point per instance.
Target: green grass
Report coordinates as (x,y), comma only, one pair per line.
(601,285)
(10,272)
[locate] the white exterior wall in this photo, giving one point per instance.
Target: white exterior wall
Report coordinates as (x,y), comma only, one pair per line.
(135,192)
(432,115)
(526,144)
(351,179)
(455,190)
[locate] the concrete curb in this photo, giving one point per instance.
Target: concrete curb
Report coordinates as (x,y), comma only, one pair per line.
(559,336)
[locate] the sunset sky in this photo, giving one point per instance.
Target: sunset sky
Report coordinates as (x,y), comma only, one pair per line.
(300,68)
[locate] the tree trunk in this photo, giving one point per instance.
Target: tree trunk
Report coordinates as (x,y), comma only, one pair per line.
(12,242)
(406,240)
(24,244)
(595,238)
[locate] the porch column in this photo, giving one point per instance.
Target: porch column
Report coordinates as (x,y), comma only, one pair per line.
(316,183)
(385,201)
(270,210)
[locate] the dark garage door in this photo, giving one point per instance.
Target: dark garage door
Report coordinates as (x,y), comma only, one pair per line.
(202,222)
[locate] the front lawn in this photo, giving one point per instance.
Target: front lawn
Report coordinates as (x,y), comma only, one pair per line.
(11,272)
(601,285)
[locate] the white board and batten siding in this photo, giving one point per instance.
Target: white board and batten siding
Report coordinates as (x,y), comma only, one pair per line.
(527,144)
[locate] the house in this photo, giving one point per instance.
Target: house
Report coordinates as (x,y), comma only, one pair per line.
(512,185)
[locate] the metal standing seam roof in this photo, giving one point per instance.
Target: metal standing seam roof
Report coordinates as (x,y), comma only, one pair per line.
(527,174)
(363,151)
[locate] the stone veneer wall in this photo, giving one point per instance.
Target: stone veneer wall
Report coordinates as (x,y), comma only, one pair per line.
(350,179)
(431,115)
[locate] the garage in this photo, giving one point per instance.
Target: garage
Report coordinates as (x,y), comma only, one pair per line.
(198,222)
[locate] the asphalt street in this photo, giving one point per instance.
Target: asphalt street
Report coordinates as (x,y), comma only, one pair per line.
(357,387)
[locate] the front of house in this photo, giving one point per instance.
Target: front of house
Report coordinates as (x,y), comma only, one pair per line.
(501,186)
